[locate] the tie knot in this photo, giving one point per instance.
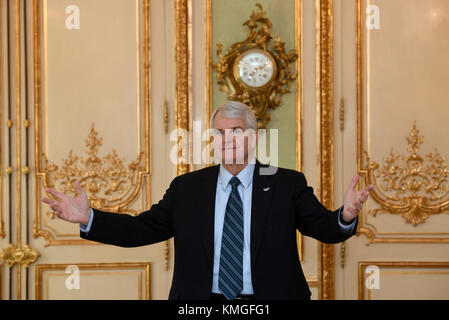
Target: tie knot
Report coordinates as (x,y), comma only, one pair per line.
(234,182)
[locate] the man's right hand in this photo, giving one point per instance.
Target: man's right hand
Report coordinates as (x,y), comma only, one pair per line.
(70,209)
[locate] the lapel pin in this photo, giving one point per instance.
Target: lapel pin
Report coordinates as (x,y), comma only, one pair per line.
(266,189)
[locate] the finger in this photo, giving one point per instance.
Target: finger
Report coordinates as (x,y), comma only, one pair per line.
(367,191)
(363,195)
(47,201)
(55,206)
(354,181)
(363,199)
(78,187)
(59,214)
(366,195)
(50,202)
(57,211)
(55,193)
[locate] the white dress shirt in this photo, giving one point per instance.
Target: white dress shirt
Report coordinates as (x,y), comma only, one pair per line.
(221,200)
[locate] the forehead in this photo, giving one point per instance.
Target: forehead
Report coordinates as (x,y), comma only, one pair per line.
(221,122)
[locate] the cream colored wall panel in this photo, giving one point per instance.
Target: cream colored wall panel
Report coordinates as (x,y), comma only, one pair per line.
(199,63)
(406,74)
(126,286)
(106,281)
(402,110)
(405,281)
(89,77)
(391,80)
(93,124)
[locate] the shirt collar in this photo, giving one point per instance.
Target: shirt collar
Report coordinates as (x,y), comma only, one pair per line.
(245,176)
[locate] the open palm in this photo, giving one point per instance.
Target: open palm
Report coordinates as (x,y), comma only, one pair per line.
(72,209)
(354,199)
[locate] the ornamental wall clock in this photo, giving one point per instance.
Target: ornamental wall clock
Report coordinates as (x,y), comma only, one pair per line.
(252,73)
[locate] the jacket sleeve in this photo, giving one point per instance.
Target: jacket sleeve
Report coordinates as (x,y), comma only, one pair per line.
(313,219)
(124,230)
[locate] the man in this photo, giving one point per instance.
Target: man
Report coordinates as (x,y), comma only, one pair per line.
(234,224)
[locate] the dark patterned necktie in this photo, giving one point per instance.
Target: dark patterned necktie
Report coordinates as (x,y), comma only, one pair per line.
(230,276)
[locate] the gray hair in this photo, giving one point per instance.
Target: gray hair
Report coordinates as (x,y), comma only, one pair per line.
(236,110)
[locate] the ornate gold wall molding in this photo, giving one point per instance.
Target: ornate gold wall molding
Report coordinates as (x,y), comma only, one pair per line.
(324,20)
(183,86)
(183,61)
(209,62)
(412,185)
(110,184)
(299,105)
(15,49)
(12,255)
(120,189)
(85,267)
(2,230)
(17,74)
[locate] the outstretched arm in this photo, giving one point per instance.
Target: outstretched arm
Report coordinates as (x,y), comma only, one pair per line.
(124,230)
(316,221)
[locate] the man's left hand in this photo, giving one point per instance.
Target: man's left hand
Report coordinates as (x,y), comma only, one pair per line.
(354,200)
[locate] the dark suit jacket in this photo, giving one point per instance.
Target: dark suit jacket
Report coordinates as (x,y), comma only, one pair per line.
(187,211)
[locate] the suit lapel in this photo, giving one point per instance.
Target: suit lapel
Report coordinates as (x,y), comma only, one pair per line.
(260,208)
(208,191)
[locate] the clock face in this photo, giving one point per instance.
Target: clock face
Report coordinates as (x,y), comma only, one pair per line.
(255,68)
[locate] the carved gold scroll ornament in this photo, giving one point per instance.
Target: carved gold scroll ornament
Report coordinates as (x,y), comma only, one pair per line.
(412,185)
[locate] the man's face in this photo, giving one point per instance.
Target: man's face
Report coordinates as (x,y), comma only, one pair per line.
(233,142)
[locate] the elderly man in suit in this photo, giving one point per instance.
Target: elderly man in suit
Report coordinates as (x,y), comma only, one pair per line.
(234,224)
